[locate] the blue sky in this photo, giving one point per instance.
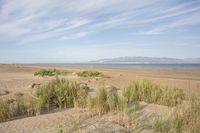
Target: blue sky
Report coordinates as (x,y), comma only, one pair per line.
(61,31)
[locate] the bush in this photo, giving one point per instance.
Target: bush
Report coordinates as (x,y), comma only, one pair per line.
(92,74)
(151,93)
(51,72)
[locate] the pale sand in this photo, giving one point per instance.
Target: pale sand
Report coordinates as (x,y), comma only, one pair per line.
(19,78)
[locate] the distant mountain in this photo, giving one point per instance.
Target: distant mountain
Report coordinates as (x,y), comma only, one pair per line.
(147,60)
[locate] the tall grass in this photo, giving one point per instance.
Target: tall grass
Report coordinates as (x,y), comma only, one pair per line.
(62,93)
(101,101)
(146,91)
(90,102)
(105,102)
(185,119)
(113,101)
(20,105)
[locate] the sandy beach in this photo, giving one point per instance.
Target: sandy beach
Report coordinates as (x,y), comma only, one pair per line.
(19,78)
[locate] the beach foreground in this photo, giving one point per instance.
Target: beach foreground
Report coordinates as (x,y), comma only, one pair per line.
(15,79)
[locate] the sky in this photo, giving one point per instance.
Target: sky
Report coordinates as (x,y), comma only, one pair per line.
(69,31)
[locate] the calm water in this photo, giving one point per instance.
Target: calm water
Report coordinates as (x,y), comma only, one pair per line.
(189,66)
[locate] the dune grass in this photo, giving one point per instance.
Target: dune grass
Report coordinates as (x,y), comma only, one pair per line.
(59,92)
(18,106)
(68,94)
(185,119)
(92,73)
(105,102)
(101,100)
(62,93)
(146,91)
(51,72)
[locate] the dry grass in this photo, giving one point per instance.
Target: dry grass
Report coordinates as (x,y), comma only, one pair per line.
(18,106)
(185,119)
(101,101)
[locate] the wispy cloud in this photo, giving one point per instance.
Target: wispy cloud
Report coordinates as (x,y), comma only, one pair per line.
(75,36)
(186,21)
(26,21)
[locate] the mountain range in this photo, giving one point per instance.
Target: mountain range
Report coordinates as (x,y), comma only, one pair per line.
(147,60)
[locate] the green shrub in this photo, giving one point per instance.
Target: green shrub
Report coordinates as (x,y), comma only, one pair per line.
(92,74)
(51,72)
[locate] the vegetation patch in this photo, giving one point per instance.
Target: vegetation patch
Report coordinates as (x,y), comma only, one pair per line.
(146,91)
(58,92)
(51,72)
(110,102)
(90,73)
(62,93)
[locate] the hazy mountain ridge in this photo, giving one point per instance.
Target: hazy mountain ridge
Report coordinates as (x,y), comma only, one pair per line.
(147,60)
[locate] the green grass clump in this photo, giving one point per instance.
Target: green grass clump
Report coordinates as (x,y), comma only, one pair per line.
(110,102)
(146,91)
(62,93)
(91,73)
(51,72)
